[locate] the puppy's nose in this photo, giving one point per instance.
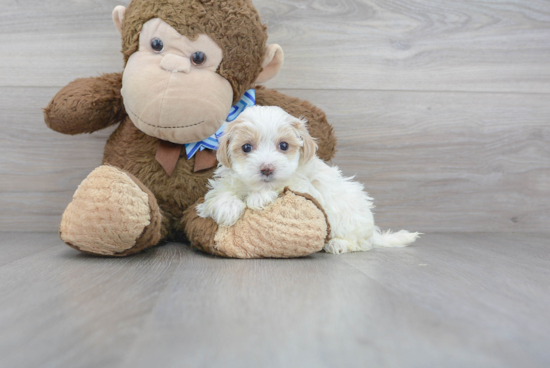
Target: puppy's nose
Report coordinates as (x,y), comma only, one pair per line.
(267,170)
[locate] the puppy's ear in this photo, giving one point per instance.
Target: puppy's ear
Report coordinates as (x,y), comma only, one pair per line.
(223,155)
(309,147)
(223,151)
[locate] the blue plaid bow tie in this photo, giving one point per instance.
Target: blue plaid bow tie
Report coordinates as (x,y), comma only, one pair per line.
(212,142)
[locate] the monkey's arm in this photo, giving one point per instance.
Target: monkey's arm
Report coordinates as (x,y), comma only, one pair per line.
(318,125)
(86,105)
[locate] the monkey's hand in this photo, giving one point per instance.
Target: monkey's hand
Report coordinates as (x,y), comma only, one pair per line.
(293,226)
(318,126)
(86,105)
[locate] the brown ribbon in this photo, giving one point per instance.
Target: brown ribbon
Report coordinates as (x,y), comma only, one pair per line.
(169,153)
(205,160)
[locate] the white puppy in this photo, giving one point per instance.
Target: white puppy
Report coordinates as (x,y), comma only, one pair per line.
(266,150)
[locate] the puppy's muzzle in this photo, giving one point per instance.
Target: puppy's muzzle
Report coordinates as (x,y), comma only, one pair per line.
(267,170)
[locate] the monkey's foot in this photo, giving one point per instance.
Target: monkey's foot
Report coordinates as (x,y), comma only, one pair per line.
(293,226)
(112,214)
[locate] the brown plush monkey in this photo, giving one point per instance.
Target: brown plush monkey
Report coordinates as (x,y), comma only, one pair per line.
(187,63)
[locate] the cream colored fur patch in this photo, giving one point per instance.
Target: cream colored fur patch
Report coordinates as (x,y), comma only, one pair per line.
(291,227)
(108,213)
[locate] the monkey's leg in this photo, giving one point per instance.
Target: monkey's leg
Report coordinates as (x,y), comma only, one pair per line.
(112,214)
(293,226)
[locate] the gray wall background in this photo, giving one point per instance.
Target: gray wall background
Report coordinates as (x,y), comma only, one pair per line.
(442,108)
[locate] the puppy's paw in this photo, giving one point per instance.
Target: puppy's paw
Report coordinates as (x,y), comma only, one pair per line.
(225,210)
(202,210)
(338,246)
(229,212)
(260,200)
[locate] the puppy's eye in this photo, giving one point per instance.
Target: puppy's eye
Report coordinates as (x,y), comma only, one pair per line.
(247,148)
(198,58)
(283,146)
(157,45)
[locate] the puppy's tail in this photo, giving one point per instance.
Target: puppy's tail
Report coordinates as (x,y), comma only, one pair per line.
(401,238)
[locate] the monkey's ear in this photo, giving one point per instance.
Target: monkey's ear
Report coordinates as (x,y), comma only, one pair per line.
(118,16)
(273,61)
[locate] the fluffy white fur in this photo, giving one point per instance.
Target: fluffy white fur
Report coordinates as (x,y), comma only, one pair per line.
(240,183)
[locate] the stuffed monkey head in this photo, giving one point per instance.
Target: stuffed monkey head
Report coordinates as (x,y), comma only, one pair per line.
(189,61)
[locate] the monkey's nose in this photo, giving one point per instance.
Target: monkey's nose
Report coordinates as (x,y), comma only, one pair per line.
(174,63)
(267,170)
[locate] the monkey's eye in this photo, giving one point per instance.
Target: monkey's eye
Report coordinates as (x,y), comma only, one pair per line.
(283,146)
(157,45)
(198,58)
(247,148)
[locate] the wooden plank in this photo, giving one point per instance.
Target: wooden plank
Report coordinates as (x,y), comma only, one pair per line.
(60,308)
(469,45)
(450,300)
(442,45)
(53,42)
(15,246)
(313,312)
(432,161)
(446,162)
(493,282)
(40,169)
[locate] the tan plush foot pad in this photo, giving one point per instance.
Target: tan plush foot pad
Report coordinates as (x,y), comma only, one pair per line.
(111,214)
(293,226)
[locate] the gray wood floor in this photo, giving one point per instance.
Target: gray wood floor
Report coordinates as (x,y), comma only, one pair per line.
(451,300)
